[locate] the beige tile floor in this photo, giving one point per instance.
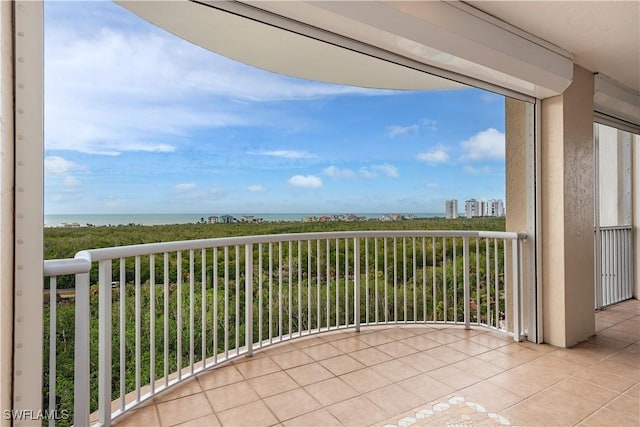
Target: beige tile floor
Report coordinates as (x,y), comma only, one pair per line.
(418,375)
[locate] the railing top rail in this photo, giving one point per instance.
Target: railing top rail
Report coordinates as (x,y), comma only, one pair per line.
(615,227)
(102,254)
(59,267)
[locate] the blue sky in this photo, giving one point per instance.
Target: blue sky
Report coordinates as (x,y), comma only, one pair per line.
(138,121)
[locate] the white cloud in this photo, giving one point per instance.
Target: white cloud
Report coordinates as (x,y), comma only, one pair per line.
(435,156)
(305,181)
(433,185)
(471,170)
(286,154)
(485,145)
(375,170)
(367,173)
(72,181)
(56,165)
(124,85)
(336,172)
(397,130)
(429,124)
(256,188)
(386,169)
(187,186)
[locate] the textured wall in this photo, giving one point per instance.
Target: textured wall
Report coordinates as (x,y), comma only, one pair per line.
(567,213)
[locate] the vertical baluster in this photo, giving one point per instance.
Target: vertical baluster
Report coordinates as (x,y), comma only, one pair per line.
(81,353)
(356,283)
(203,300)
(226,302)
(395,280)
(366,280)
(299,287)
(424,279)
(236,254)
(487,273)
(328,269)
(138,291)
(179,313)
(280,290)
(191,310)
(260,302)
(375,268)
(386,283)
(444,278)
(123,335)
(215,305)
(270,314)
(609,252)
(629,269)
(605,265)
(152,322)
(53,292)
(337,283)
(165,318)
(318,266)
(478,281)
(619,264)
(346,282)
(454,264)
(309,263)
(404,279)
(290,286)
(415,285)
(516,291)
(623,270)
(466,285)
(434,281)
(508,314)
(104,342)
(248,302)
(496,283)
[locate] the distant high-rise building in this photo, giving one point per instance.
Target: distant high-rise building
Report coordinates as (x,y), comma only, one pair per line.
(451,209)
(495,207)
(472,208)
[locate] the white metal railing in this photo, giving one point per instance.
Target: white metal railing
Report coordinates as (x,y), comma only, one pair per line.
(203,302)
(615,281)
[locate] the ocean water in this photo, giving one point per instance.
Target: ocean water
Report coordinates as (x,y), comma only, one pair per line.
(163,219)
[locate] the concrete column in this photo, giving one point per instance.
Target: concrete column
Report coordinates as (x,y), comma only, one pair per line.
(6,206)
(567,202)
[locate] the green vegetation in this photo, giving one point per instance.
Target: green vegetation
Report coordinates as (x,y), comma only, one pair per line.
(65,242)
(308,277)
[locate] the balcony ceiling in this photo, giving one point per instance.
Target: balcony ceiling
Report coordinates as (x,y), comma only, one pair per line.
(603,36)
(530,54)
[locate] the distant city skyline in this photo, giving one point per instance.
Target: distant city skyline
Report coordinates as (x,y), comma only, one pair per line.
(138,121)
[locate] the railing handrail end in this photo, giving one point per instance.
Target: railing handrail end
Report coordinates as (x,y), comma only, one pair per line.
(59,267)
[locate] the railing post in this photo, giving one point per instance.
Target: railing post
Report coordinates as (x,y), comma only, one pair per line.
(467,293)
(248,295)
(356,282)
(517,283)
(81,352)
(104,342)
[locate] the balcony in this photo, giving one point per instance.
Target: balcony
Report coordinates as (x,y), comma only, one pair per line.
(348,328)
(418,375)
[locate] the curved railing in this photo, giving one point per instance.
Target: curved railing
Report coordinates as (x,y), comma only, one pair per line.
(166,311)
